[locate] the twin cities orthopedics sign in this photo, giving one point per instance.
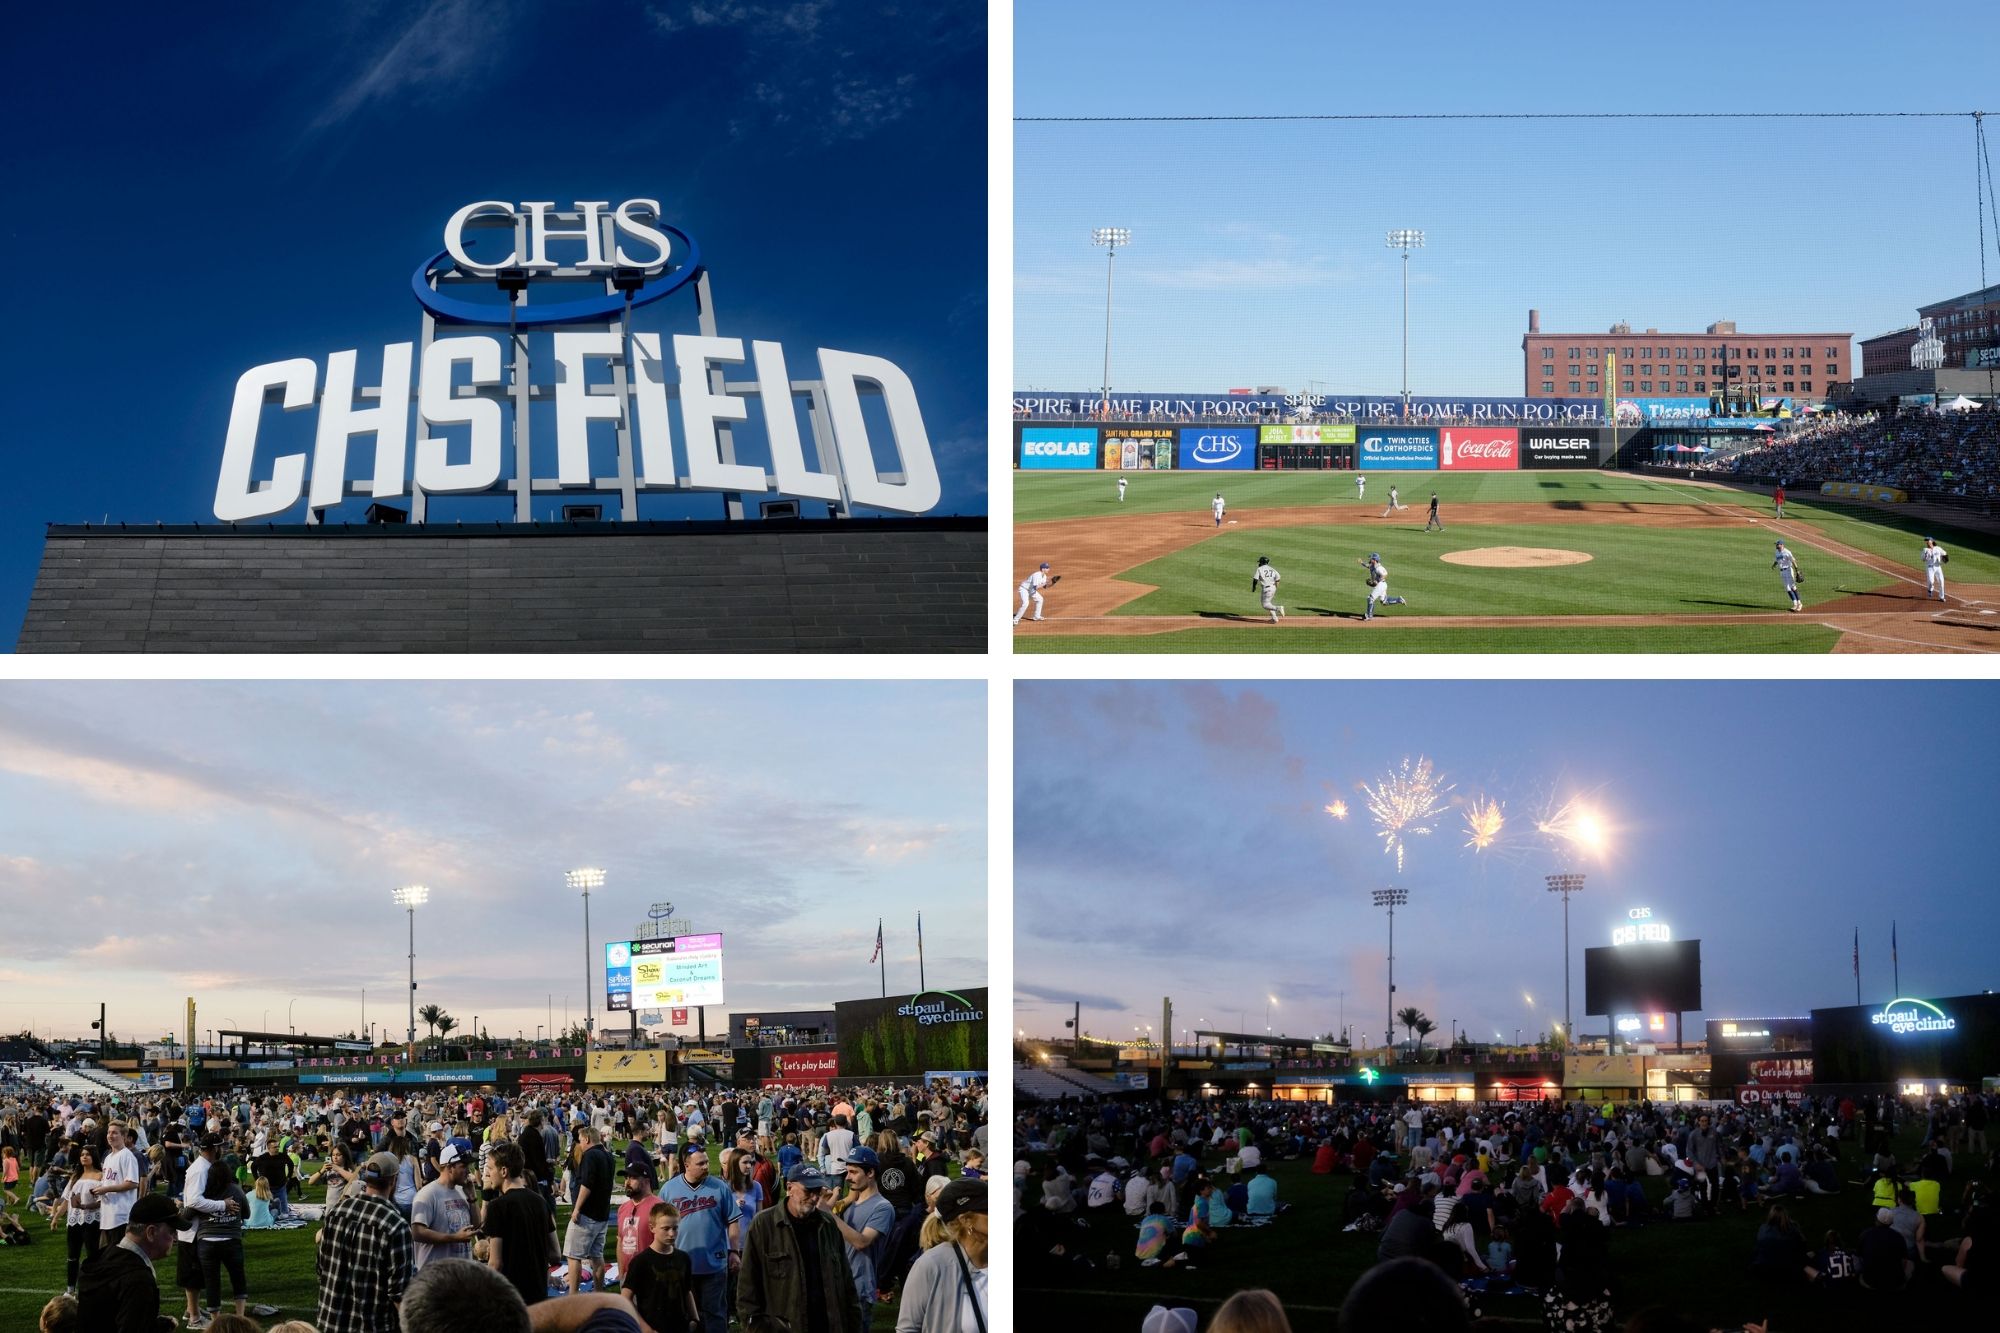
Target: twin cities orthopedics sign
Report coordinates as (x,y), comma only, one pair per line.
(1903,1016)
(460,382)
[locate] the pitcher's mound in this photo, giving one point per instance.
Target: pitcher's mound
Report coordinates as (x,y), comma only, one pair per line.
(1515,557)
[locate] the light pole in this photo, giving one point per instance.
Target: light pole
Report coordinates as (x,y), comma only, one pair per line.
(1406,239)
(1565,885)
(586,879)
(410,897)
(1391,899)
(288,1014)
(1111,238)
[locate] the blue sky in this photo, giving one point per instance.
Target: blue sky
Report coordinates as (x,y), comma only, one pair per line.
(1257,254)
(202,189)
(1171,839)
(239,842)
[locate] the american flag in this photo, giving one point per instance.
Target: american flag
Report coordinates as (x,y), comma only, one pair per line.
(878,943)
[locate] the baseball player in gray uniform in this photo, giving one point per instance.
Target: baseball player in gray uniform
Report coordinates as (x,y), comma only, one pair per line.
(1787,566)
(1031,591)
(1266,579)
(1378,587)
(1935,558)
(1121,490)
(1395,502)
(1360,487)
(1217,507)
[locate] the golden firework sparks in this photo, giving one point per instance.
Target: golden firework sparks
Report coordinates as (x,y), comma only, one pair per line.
(1581,828)
(1338,809)
(1405,804)
(1483,822)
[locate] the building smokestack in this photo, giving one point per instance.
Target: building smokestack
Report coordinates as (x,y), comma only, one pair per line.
(1534,321)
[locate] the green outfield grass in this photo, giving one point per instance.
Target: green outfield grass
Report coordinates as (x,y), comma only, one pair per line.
(1803,638)
(1699,1268)
(1633,571)
(1975,556)
(1040,496)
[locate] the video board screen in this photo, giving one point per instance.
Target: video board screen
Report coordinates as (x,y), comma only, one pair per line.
(1643,978)
(679,971)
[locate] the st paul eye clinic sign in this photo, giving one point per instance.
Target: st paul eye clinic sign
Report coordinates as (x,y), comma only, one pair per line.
(632,258)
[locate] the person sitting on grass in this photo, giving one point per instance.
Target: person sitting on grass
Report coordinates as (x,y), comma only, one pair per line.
(1458,1252)
(1836,1263)
(1500,1253)
(1200,1230)
(1821,1176)
(1886,1265)
(1262,1188)
(1780,1252)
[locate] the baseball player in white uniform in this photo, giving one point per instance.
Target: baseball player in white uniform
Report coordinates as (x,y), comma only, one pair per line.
(1031,591)
(1378,586)
(1360,487)
(1266,579)
(1395,502)
(1217,507)
(1121,490)
(1934,563)
(1787,566)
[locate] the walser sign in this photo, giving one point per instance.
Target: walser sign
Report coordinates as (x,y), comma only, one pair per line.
(622,258)
(1543,446)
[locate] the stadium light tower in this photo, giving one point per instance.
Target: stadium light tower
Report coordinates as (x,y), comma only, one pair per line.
(410,897)
(1111,238)
(586,879)
(1566,885)
(1391,899)
(1406,239)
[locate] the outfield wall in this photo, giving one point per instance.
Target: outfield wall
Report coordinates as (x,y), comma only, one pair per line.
(1135,446)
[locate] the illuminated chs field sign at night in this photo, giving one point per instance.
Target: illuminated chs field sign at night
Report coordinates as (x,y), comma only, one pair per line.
(657,974)
(624,258)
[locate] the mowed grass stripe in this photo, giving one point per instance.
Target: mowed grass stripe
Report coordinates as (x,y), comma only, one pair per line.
(1633,571)
(1585,638)
(1039,496)
(1975,556)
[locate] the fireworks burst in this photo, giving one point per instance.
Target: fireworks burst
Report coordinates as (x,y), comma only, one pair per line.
(1405,804)
(1577,826)
(1338,809)
(1483,822)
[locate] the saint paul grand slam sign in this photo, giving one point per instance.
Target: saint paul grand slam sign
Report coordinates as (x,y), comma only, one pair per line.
(607,413)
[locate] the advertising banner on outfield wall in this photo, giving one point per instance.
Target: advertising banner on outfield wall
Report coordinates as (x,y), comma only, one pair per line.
(1478,448)
(1554,447)
(1073,447)
(1397,450)
(1305,434)
(1214,448)
(1366,408)
(1138,448)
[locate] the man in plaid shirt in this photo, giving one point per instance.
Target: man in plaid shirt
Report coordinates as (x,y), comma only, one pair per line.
(365,1255)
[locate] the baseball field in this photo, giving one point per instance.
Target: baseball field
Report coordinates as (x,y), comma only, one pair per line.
(1527,562)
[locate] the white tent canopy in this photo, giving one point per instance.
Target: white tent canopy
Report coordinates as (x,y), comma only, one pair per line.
(1961,404)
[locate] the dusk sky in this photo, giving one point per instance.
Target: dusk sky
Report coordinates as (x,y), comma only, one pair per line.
(239,842)
(200,189)
(1171,839)
(1257,254)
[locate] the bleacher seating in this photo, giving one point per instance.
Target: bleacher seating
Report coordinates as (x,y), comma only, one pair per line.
(92,1083)
(1050,1084)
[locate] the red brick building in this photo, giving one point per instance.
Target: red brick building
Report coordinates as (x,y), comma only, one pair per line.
(1652,364)
(1887,353)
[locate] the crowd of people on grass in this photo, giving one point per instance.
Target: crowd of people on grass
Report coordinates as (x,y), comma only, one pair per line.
(689,1208)
(1515,1198)
(1937,453)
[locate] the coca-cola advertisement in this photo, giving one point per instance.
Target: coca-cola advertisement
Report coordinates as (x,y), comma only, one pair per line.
(820,1067)
(1478,448)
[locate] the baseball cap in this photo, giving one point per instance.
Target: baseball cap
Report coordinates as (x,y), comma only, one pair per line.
(437,1127)
(642,1171)
(809,1176)
(862,1156)
(1263,559)
(1160,1319)
(153,1208)
(961,1197)
(210,1142)
(1373,555)
(1045,564)
(379,1170)
(451,1153)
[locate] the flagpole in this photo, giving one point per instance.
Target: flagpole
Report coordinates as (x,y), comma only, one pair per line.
(880,958)
(1857,965)
(1895,966)
(920,951)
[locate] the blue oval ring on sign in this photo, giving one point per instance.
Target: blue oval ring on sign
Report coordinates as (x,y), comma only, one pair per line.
(593,309)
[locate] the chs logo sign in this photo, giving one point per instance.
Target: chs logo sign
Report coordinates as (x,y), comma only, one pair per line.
(463,381)
(1219,447)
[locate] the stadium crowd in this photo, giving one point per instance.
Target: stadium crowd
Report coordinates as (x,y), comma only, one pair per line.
(793,1207)
(1518,1199)
(1941,454)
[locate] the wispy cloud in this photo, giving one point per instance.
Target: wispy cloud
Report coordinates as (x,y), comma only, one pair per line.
(441,48)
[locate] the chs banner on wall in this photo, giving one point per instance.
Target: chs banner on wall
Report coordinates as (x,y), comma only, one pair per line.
(1402,449)
(1478,449)
(1211,448)
(1069,447)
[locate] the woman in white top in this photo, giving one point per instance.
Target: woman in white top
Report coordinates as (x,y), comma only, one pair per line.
(338,1173)
(78,1206)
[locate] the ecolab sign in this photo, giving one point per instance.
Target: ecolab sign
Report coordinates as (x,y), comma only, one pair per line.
(1481,449)
(1046,447)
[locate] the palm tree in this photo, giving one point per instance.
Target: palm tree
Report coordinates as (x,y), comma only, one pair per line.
(446,1025)
(431,1013)
(1424,1028)
(1409,1018)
